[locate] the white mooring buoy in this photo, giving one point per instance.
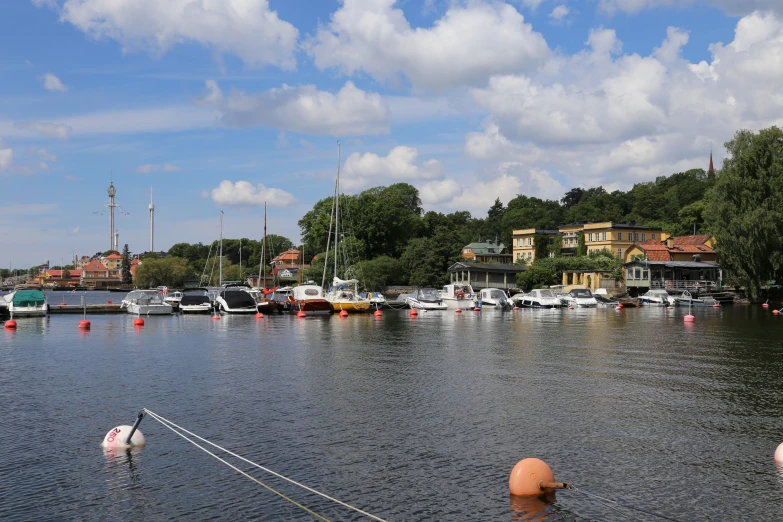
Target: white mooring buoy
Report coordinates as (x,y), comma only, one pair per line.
(125,436)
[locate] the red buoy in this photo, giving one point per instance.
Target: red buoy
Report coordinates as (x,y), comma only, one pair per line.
(716,305)
(62,304)
(413,312)
(84,324)
(343,313)
(259,315)
(138,322)
(516,308)
(570,307)
(10,324)
(765,305)
(458,311)
(109,302)
(477,309)
(301,314)
(775,312)
(216,318)
(689,318)
(377,313)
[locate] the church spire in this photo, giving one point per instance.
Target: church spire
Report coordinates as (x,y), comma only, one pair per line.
(712,168)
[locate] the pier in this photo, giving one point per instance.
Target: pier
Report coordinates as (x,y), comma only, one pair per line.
(91,309)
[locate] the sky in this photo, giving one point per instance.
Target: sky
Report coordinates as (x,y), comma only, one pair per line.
(227,104)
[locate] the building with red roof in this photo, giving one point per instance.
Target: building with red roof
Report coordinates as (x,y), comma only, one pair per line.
(680,248)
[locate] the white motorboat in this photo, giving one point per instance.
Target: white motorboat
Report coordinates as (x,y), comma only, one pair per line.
(195,304)
(26,303)
(425,299)
(537,298)
(310,300)
(494,297)
(146,302)
(377,299)
(172,299)
(458,296)
(580,298)
(657,297)
(687,299)
(235,300)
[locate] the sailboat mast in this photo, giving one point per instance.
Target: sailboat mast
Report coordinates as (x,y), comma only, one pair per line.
(337,212)
(261,273)
(240,259)
(221,249)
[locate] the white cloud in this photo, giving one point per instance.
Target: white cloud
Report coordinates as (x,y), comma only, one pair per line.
(245,28)
(244,193)
(75,230)
(482,194)
(6,157)
(731,7)
(437,192)
(50,130)
(305,109)
(400,163)
(150,167)
(45,154)
(463,47)
(601,117)
(53,83)
(559,13)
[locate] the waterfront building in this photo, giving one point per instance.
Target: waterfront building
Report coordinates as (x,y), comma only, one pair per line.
(523,242)
(694,276)
(617,238)
(487,252)
(485,275)
(679,248)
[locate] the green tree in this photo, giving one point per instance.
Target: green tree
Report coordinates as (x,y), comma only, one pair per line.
(66,274)
(572,197)
(581,246)
(745,211)
(168,271)
(540,246)
(494,221)
(524,212)
(127,278)
(379,273)
(426,260)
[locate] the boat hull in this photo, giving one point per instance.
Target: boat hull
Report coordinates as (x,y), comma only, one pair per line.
(350,306)
(452,303)
(424,305)
(535,303)
(313,307)
(196,309)
(137,309)
(28,312)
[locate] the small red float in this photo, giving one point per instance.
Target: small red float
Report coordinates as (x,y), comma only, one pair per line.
(216,318)
(532,477)
(259,315)
(414,312)
(775,312)
(689,318)
(458,311)
(378,313)
(343,313)
(138,322)
(109,302)
(10,324)
(62,304)
(84,324)
(477,309)
(301,314)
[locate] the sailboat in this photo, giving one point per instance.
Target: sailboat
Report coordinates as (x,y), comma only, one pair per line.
(341,295)
(265,303)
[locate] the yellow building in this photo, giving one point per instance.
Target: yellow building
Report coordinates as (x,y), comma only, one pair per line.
(523,242)
(618,237)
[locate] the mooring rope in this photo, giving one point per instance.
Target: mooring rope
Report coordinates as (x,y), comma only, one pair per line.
(169,425)
(616,505)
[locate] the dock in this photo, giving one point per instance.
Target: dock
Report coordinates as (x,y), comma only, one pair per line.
(91,309)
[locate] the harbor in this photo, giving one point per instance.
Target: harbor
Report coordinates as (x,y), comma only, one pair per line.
(410,418)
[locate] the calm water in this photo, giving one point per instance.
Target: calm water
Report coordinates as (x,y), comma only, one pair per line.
(411,419)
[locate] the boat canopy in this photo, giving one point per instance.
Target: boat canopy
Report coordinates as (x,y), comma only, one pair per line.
(308,292)
(29,298)
(343,282)
(190,299)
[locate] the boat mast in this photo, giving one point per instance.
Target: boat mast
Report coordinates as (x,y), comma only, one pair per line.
(337,211)
(240,259)
(261,267)
(220,283)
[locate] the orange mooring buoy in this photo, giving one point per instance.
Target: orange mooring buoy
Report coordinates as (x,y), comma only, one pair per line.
(10,324)
(84,324)
(533,477)
(414,312)
(343,313)
(138,322)
(377,313)
(301,313)
(259,315)
(779,455)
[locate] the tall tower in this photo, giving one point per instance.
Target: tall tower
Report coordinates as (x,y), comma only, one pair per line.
(112,191)
(117,240)
(712,168)
(152,223)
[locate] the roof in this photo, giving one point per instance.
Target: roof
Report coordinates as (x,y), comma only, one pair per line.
(59,273)
(487,267)
(288,255)
(94,265)
(675,264)
(114,255)
(486,248)
(700,239)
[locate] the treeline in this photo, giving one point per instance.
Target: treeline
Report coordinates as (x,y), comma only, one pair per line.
(387,238)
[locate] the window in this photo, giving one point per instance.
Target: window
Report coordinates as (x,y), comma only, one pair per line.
(636,236)
(644,236)
(619,236)
(629,274)
(645,274)
(530,241)
(652,235)
(637,273)
(619,253)
(604,236)
(519,256)
(530,255)
(590,237)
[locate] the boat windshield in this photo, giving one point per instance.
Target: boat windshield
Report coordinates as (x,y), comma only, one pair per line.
(497,294)
(581,292)
(428,294)
(546,293)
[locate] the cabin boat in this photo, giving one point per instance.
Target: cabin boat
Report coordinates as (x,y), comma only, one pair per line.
(342,297)
(656,297)
(235,300)
(604,301)
(26,303)
(494,297)
(537,298)
(173,299)
(580,298)
(195,304)
(146,302)
(283,298)
(310,300)
(376,299)
(458,296)
(425,299)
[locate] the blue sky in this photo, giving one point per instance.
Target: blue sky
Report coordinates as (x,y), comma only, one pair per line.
(226,104)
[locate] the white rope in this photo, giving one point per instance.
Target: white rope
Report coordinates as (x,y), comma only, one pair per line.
(166,422)
(294,502)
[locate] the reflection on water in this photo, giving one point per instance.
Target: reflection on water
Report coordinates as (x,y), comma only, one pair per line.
(411,418)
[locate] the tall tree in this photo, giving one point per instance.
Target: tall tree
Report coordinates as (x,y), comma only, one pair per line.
(494,221)
(127,278)
(745,211)
(572,197)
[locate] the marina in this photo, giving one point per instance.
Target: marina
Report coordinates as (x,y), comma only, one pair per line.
(410,418)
